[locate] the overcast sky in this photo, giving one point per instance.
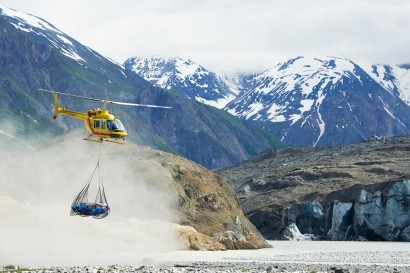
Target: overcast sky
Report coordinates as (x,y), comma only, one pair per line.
(233,35)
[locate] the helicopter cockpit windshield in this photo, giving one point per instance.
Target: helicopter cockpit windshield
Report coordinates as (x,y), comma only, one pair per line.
(115,124)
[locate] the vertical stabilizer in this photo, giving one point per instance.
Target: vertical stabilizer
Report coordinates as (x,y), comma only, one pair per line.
(55,106)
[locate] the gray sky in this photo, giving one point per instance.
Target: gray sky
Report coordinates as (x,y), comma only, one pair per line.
(234,35)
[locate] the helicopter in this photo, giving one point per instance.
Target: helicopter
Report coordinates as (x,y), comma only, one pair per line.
(101,125)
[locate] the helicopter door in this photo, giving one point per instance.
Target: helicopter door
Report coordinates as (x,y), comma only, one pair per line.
(103,125)
(97,125)
(100,126)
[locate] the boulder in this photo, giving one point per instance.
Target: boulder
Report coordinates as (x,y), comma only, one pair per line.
(292,233)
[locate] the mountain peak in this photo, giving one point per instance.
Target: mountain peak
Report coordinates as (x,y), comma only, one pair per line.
(309,65)
(184,77)
(43,30)
(26,22)
(152,68)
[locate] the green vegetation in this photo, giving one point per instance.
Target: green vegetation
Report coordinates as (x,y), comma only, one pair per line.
(236,122)
(274,142)
(20,91)
(73,71)
(249,149)
(161,145)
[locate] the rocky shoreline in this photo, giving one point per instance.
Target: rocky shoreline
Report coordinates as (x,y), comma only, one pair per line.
(221,267)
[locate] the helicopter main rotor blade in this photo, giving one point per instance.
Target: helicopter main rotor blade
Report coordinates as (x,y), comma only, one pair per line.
(71,95)
(137,104)
(107,101)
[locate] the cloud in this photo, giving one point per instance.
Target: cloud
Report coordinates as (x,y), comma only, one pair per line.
(235,35)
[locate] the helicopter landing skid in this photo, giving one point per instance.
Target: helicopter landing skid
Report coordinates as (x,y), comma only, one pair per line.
(114,141)
(100,140)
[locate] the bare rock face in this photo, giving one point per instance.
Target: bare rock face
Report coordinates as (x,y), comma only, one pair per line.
(209,205)
(348,192)
(194,240)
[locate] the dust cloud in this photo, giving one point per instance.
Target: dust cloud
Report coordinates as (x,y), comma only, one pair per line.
(38,187)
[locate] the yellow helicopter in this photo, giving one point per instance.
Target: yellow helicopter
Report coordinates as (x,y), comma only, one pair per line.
(99,122)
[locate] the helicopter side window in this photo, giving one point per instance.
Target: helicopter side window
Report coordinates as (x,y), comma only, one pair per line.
(96,123)
(111,125)
(119,125)
(103,124)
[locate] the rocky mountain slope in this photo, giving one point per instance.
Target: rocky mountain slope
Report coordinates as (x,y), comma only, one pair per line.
(340,193)
(34,54)
(155,190)
(186,78)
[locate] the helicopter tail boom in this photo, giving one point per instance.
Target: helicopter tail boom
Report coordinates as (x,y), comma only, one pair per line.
(64,111)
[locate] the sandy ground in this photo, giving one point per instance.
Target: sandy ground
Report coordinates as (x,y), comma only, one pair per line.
(284,256)
(324,252)
(303,256)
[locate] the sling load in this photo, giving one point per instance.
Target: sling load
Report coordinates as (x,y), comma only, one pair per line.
(99,209)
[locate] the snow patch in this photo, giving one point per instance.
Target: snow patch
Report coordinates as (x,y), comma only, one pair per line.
(306,106)
(253,109)
(71,54)
(219,103)
(321,123)
(27,18)
(403,83)
(391,78)
(65,40)
(186,68)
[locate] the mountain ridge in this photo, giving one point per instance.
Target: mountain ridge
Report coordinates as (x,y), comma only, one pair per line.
(318,101)
(184,77)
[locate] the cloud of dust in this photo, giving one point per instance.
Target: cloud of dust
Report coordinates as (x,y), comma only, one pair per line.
(37,189)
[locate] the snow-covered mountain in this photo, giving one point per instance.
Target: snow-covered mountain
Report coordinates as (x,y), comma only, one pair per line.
(186,78)
(324,101)
(303,101)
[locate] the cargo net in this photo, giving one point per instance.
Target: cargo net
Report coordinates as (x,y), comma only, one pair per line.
(99,209)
